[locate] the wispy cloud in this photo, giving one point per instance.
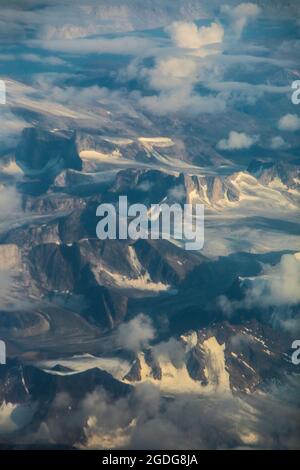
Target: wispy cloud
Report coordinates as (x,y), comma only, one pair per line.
(126,45)
(241,14)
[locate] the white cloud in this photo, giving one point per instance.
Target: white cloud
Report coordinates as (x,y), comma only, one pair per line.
(277,143)
(278,285)
(175,78)
(184,101)
(289,122)
(237,141)
(189,36)
(241,14)
(171,351)
(173,72)
(136,334)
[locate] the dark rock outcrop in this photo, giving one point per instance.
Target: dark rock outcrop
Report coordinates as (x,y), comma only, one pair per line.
(42,154)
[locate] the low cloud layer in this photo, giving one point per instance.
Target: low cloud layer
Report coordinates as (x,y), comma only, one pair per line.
(146,420)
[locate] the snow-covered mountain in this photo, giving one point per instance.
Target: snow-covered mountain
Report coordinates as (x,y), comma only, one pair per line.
(124,344)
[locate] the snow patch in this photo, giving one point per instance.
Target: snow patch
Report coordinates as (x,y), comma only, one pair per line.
(156,141)
(215,370)
(99,156)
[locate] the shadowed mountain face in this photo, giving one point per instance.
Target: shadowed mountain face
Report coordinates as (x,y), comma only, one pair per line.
(21,383)
(141,343)
(47,398)
(39,151)
(43,154)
